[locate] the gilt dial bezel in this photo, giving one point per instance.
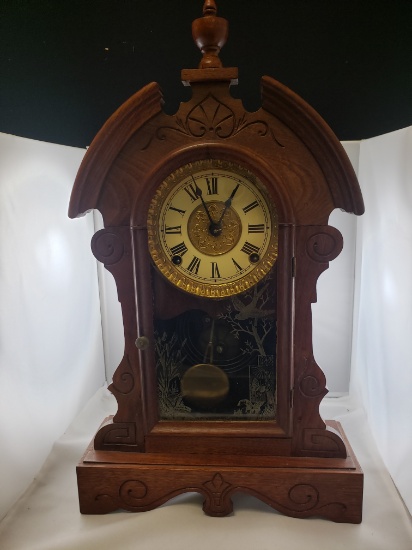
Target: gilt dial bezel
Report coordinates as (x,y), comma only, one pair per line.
(246,269)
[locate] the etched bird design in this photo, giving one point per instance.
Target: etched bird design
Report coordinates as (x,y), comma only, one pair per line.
(246,311)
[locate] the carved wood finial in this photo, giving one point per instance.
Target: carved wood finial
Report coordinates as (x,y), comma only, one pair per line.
(210,34)
(209,7)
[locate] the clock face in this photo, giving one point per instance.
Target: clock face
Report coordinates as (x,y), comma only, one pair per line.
(212,231)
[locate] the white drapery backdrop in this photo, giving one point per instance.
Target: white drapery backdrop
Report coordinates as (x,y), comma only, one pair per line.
(60,323)
(51,352)
(382,359)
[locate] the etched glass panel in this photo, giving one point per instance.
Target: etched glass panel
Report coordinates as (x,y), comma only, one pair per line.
(222,364)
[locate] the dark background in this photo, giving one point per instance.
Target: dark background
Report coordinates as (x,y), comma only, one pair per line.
(66,66)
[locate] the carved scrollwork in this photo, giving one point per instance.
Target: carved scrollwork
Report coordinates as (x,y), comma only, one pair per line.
(312,383)
(324,246)
(310,386)
(131,492)
(304,500)
(121,433)
(128,495)
(293,496)
(123,383)
(123,379)
(303,497)
(215,119)
(107,247)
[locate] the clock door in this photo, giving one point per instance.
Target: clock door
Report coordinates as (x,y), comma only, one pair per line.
(213,238)
(215,364)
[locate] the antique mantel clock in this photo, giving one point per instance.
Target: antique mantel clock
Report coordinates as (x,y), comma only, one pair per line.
(216,231)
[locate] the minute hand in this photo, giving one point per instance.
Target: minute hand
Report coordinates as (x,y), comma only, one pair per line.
(199,194)
(228,203)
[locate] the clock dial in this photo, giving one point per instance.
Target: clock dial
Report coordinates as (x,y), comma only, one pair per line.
(212,231)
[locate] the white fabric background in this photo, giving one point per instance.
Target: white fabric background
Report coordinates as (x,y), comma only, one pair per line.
(51,348)
(333,312)
(382,359)
(51,359)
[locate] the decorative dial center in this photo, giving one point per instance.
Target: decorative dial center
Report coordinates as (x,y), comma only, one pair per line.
(214,239)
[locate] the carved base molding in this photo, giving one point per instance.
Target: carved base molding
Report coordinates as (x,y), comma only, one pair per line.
(299,487)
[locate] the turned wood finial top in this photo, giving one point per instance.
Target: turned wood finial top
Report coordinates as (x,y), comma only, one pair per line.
(210,34)
(209,7)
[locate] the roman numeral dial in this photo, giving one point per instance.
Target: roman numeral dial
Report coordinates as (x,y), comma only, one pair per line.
(212,229)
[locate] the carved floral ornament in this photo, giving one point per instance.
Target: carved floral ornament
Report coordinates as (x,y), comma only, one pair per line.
(214,119)
(298,500)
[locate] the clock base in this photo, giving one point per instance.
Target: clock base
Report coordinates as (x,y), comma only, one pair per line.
(299,487)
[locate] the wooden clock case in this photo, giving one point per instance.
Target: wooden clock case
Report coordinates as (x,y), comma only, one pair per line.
(298,464)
